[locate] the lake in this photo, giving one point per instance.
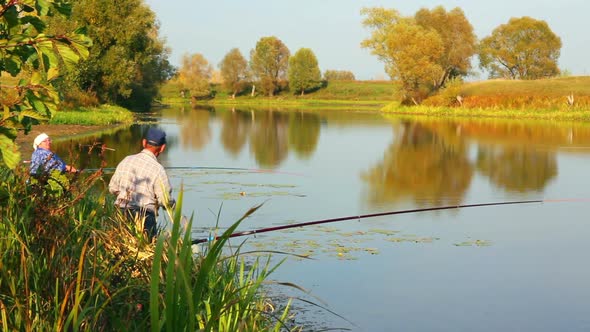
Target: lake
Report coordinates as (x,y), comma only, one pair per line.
(517,267)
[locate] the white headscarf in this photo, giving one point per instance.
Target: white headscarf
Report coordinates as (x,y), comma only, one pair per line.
(40,138)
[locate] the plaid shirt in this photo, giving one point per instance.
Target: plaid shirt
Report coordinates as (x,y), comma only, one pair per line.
(45,160)
(140,182)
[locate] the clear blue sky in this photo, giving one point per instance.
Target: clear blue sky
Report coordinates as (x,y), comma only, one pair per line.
(333,30)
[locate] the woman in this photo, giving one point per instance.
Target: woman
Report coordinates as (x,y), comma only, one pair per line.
(44,160)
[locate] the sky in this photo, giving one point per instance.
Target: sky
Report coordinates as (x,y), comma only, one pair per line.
(332,29)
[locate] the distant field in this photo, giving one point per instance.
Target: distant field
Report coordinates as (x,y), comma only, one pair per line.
(355,90)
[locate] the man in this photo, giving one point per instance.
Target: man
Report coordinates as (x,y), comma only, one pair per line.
(141,184)
(43,160)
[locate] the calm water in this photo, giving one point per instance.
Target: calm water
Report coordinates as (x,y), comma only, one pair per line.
(513,268)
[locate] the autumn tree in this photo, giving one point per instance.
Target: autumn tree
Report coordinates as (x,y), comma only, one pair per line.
(234,71)
(420,52)
(269,62)
(194,75)
(338,75)
(36,60)
(523,48)
(411,53)
(304,72)
(459,40)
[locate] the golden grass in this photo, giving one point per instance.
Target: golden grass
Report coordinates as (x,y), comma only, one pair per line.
(553,87)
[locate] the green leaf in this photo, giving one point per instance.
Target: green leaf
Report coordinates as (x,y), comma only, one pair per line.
(28,9)
(45,51)
(12,65)
(42,7)
(9,154)
(69,57)
(52,73)
(63,8)
(6,112)
(36,78)
(34,21)
(11,18)
(81,44)
(39,106)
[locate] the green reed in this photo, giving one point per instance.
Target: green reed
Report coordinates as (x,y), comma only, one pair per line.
(70,261)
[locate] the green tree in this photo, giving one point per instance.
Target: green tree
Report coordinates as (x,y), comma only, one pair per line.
(38,60)
(411,53)
(304,72)
(524,48)
(339,75)
(458,39)
(234,71)
(194,75)
(269,62)
(127,64)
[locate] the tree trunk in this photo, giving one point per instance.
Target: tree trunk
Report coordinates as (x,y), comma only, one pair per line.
(253,90)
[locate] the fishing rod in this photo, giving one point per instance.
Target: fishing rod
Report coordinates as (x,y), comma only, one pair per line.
(364,216)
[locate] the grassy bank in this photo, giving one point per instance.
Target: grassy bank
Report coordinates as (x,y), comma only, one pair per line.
(366,95)
(566,98)
(565,114)
(103,115)
(70,262)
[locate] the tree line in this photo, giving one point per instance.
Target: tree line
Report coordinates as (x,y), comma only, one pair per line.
(270,69)
(425,51)
(422,53)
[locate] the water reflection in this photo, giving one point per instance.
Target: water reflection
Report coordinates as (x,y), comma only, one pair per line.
(270,134)
(195,131)
(517,169)
(235,129)
(429,161)
(269,141)
(420,165)
(304,133)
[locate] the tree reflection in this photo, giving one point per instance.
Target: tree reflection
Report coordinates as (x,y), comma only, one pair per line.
(195,131)
(234,132)
(268,139)
(518,169)
(423,166)
(304,133)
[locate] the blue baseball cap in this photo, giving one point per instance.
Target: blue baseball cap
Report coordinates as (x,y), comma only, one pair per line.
(155,137)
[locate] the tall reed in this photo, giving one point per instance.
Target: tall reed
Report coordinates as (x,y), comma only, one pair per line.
(70,261)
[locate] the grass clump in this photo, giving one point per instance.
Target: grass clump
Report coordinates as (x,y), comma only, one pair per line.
(70,261)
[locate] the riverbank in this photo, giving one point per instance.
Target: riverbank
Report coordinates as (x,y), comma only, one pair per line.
(55,131)
(561,98)
(72,123)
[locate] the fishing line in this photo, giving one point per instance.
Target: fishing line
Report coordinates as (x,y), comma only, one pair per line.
(251,170)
